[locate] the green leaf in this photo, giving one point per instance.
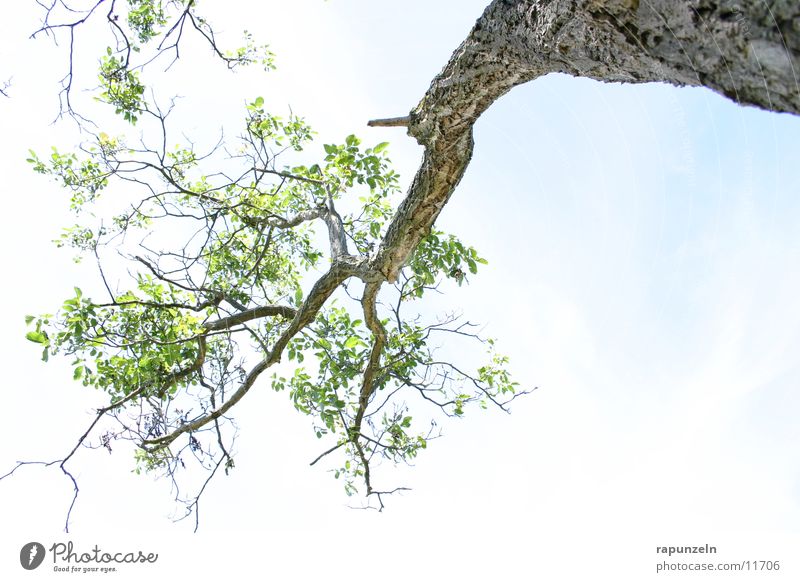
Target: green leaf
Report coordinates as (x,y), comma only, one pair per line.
(36,337)
(29,319)
(380,147)
(353,342)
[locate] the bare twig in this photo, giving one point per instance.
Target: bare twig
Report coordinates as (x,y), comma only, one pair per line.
(403,121)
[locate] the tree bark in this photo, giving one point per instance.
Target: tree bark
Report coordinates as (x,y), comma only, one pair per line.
(748,51)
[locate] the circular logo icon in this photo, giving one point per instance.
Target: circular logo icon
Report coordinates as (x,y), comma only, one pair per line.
(31,555)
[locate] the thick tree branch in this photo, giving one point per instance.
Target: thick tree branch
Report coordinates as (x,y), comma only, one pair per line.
(748,52)
(336,233)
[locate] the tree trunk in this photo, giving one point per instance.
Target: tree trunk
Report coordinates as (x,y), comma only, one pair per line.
(748,51)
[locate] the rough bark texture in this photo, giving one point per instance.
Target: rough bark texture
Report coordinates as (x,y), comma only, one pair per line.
(746,50)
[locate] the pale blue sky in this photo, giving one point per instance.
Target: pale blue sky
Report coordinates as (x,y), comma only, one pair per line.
(643,249)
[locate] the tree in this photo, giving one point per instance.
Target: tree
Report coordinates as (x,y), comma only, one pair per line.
(172,335)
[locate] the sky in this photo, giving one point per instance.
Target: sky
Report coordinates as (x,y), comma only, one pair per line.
(642,245)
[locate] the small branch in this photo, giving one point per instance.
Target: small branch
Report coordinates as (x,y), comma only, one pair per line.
(373,322)
(255,313)
(368,303)
(62,462)
(390,122)
(289,176)
(379,495)
(305,216)
(328,452)
(196,501)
